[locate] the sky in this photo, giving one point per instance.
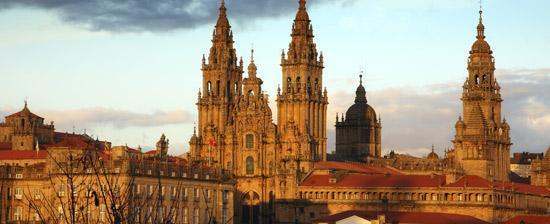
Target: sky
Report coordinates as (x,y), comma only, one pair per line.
(129,70)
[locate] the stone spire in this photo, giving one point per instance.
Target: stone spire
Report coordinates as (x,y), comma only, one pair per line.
(252,67)
(302,48)
(222,51)
(480,26)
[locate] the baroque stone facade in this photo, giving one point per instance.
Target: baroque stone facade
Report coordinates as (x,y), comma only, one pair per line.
(236,132)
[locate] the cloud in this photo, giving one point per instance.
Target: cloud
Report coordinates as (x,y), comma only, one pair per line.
(119,119)
(157,15)
(415,118)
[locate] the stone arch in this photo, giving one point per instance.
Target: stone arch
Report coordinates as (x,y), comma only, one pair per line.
(250,207)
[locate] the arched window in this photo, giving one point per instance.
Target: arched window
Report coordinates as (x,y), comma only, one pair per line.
(22,122)
(249,166)
(218,88)
(249,141)
(208,87)
(228,89)
(298,83)
(477,79)
(288,82)
(316,83)
(236,88)
(309,84)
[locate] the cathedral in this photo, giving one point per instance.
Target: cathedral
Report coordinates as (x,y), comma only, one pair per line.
(281,170)
(236,132)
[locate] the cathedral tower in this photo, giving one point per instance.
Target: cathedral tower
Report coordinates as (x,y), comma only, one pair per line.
(222,84)
(302,103)
(482,140)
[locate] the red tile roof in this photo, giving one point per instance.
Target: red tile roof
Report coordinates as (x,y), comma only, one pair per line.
(478,182)
(471,181)
(5,146)
(526,188)
(22,154)
(405,217)
(151,152)
(365,180)
(333,165)
(529,219)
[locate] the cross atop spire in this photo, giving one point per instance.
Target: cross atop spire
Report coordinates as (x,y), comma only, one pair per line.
(480,26)
(252,54)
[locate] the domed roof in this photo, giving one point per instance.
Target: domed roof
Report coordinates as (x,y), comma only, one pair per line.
(459,123)
(481,46)
(433,155)
(361,111)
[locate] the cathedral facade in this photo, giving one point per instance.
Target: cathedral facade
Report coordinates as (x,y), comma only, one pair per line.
(236,132)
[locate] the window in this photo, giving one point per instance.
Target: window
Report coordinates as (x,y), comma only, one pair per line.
(479,197)
(60,211)
(196,216)
(185,192)
(316,83)
(460,197)
(18,214)
(19,193)
(185,216)
(288,82)
(102,212)
(249,166)
(196,193)
(224,197)
(208,87)
(249,141)
(61,190)
(37,194)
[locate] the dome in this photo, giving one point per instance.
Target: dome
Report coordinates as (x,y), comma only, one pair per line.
(361,112)
(481,46)
(433,155)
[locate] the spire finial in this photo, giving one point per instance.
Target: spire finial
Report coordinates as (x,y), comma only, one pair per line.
(480,26)
(302,4)
(433,148)
(361,77)
(252,54)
